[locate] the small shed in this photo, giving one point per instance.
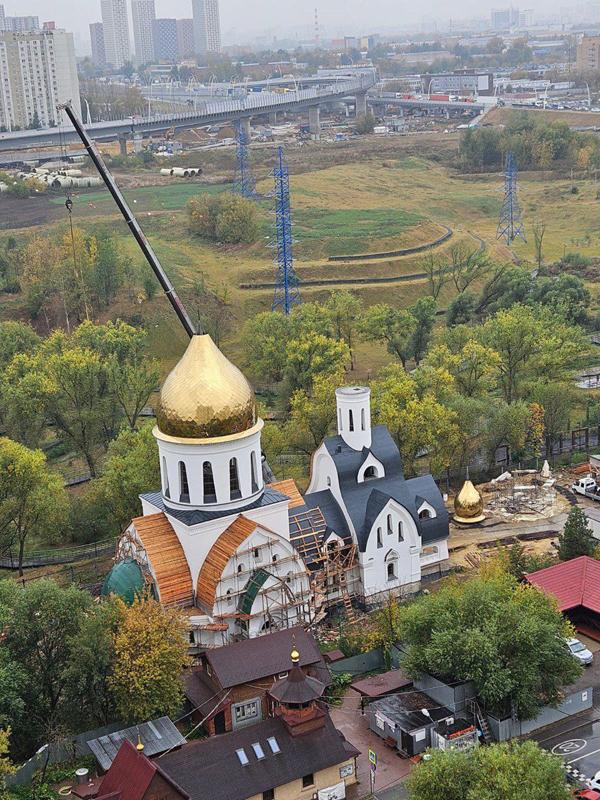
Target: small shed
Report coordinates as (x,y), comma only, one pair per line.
(333,656)
(156,736)
(381,685)
(406,721)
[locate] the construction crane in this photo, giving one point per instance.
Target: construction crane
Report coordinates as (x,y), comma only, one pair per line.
(132,222)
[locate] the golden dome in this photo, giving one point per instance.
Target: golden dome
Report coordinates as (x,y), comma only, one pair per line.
(468,504)
(205,396)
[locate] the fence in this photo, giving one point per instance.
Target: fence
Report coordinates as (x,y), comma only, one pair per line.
(392,253)
(357,665)
(65,555)
(508,728)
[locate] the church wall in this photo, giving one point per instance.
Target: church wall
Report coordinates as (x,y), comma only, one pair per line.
(324,476)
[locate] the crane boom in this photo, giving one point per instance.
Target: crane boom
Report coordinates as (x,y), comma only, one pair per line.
(131,221)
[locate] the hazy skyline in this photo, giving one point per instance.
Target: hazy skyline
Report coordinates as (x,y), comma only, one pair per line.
(259,17)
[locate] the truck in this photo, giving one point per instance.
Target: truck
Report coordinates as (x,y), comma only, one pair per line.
(444,97)
(588,487)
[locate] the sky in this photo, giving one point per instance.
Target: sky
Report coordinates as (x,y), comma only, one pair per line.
(242,19)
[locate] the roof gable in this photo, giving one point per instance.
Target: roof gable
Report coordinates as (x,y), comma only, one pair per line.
(167,558)
(574,583)
(218,557)
(129,775)
(290,488)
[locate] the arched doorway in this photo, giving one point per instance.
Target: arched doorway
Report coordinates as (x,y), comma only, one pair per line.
(219,723)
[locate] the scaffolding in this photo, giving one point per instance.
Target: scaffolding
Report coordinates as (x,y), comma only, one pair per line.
(523,491)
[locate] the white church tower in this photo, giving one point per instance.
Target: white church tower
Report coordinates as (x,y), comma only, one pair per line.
(354,416)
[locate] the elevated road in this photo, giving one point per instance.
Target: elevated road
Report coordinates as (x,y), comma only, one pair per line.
(255,103)
(435,107)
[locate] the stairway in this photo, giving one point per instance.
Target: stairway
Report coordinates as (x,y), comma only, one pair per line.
(482,722)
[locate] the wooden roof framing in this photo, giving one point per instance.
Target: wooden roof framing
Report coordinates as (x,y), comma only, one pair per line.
(166,556)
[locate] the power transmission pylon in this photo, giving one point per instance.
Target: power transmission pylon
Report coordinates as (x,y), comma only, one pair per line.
(243,183)
(286,287)
(510,225)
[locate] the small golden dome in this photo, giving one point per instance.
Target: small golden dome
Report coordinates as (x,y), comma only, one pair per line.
(295,656)
(205,396)
(468,504)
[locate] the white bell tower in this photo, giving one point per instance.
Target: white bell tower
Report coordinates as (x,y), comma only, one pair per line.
(354,416)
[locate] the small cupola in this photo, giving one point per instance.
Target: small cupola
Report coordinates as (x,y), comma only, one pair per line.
(354,416)
(294,699)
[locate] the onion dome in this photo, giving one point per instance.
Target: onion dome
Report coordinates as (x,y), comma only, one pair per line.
(205,396)
(468,504)
(125,580)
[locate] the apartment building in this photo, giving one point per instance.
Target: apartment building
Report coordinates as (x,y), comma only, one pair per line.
(207,26)
(165,39)
(143,14)
(116,32)
(588,54)
(38,71)
(185,37)
(98,49)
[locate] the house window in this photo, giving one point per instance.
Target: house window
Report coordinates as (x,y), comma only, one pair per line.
(210,493)
(184,488)
(391,571)
(400,533)
(234,481)
(308,780)
(245,711)
(350,420)
(379,538)
(269,794)
(257,553)
(370,473)
(253,472)
(389,524)
(282,675)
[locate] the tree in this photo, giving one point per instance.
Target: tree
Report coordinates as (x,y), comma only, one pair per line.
(482,630)
(6,767)
(461,309)
(150,654)
(310,357)
(365,123)
(557,400)
(519,562)
(423,312)
(386,324)
(16,337)
(345,309)
(466,265)
(438,273)
(539,230)
(312,415)
(506,771)
(226,218)
(32,499)
(576,538)
(130,470)
(264,338)
(473,367)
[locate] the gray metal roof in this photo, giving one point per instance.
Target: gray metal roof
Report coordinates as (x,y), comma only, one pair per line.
(157,736)
(365,500)
(195,516)
(406,710)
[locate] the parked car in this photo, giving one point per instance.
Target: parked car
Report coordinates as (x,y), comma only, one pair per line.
(580,651)
(585,794)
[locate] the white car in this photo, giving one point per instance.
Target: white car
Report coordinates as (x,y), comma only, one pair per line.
(580,652)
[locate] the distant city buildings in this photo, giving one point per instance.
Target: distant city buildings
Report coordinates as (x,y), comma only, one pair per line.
(18,24)
(207,26)
(98,50)
(459,82)
(38,71)
(143,15)
(185,37)
(166,46)
(588,54)
(116,32)
(504,18)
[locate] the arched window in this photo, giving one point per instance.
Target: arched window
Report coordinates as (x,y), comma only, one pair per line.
(400,533)
(370,473)
(328,481)
(362,419)
(234,481)
(240,568)
(391,571)
(253,472)
(275,557)
(184,488)
(424,513)
(166,478)
(210,493)
(389,524)
(229,597)
(379,538)
(350,420)
(340,419)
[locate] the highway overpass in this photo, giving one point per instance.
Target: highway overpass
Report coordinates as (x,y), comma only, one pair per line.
(444,108)
(253,104)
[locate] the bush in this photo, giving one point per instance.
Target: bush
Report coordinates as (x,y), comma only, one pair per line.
(365,123)
(225,218)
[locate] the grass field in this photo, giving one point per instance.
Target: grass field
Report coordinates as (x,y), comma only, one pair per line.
(382,199)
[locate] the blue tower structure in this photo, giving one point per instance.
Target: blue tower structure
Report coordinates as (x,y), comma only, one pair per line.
(243,183)
(510,225)
(286,287)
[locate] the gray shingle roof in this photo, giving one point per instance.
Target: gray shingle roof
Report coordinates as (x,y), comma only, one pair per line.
(196,516)
(212,769)
(365,500)
(157,736)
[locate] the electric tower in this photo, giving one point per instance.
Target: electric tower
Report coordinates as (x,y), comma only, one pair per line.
(510,225)
(286,287)
(243,183)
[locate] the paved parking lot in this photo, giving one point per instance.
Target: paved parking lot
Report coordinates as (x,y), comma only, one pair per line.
(577,741)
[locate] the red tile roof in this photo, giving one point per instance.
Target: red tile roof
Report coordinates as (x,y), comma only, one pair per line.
(130,775)
(574,583)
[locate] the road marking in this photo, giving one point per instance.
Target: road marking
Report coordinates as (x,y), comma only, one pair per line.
(569,747)
(585,755)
